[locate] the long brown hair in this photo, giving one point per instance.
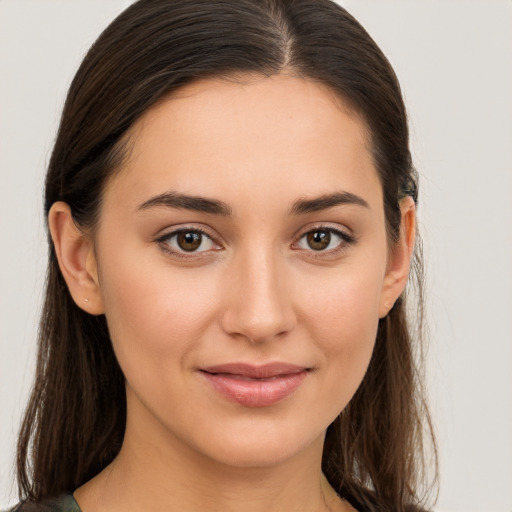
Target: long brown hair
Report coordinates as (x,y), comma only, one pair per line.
(75,420)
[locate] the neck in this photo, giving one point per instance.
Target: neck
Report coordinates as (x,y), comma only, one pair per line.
(157,482)
(158,472)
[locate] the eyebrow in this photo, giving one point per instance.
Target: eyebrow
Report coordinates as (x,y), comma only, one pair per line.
(302,206)
(186,202)
(215,207)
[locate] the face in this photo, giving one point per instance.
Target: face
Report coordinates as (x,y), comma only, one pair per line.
(242,258)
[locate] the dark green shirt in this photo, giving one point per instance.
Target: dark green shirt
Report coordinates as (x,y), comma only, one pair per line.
(65,503)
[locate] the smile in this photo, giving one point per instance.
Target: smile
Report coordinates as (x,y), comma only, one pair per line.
(255,386)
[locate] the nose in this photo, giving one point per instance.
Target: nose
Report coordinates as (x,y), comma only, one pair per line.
(259,302)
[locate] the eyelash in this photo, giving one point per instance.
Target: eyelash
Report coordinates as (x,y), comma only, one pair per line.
(345,241)
(164,240)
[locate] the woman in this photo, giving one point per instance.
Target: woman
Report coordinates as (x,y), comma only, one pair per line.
(231,204)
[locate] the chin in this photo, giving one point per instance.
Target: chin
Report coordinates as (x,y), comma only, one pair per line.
(264,447)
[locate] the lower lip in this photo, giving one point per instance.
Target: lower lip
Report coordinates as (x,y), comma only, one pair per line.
(255,392)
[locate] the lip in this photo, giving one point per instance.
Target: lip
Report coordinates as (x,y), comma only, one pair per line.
(255,386)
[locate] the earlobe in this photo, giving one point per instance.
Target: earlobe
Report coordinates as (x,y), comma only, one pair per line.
(397,272)
(77,261)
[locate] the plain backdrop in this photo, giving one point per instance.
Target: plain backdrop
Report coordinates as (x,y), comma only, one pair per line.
(454,60)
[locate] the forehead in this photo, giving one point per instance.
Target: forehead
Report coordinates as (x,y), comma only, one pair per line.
(273,138)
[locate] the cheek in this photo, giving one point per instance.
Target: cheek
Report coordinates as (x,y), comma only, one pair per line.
(349,328)
(343,320)
(346,305)
(155,314)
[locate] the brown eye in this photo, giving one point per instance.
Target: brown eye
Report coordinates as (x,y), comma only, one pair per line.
(186,241)
(189,240)
(324,240)
(318,240)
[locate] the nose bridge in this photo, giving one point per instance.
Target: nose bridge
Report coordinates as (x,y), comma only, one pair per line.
(260,306)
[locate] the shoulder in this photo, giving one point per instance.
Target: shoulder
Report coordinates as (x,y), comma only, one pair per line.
(64,503)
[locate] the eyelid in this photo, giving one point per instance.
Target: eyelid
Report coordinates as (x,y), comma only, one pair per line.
(164,238)
(347,237)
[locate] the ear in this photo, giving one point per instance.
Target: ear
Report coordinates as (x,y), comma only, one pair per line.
(77,261)
(397,272)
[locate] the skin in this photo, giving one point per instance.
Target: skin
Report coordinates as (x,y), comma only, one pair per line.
(257,292)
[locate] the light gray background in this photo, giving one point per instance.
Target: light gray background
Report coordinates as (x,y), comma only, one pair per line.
(454,60)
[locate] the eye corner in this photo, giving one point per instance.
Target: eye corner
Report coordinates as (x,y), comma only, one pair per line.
(346,238)
(169,243)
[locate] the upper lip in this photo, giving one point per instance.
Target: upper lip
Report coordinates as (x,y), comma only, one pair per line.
(251,371)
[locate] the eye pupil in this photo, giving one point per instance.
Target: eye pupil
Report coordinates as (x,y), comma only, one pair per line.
(189,241)
(319,240)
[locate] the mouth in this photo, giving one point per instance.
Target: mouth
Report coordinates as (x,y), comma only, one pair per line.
(255,386)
